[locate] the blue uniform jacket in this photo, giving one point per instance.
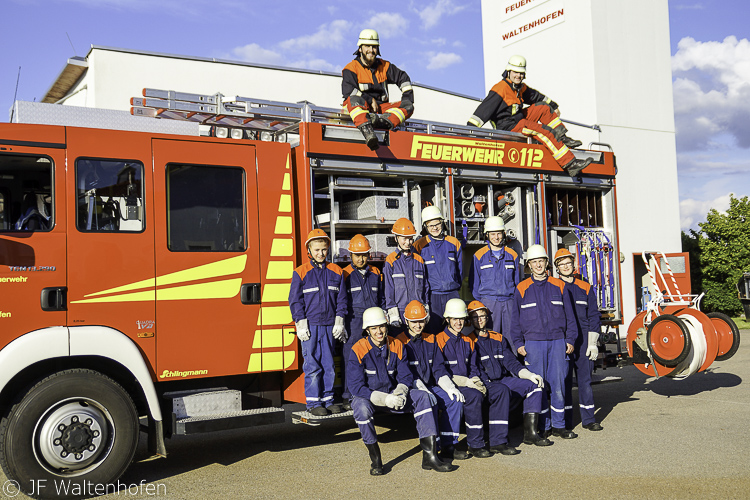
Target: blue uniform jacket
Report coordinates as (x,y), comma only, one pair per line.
(543,312)
(405,280)
(493,278)
(496,358)
(444,260)
(364,291)
(372,369)
(318,293)
(459,352)
(426,360)
(585,308)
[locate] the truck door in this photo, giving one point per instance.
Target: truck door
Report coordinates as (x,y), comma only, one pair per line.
(207,257)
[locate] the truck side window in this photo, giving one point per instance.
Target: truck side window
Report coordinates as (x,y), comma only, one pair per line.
(206,209)
(26,197)
(109,195)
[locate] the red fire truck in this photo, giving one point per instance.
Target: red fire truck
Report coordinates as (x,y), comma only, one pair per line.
(146,257)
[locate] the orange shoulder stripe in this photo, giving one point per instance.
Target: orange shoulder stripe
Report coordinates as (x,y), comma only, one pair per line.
(480,253)
(396,347)
(453,241)
(583,285)
(391,258)
(403,338)
(347,271)
(418,257)
(303,270)
(524,285)
(557,282)
(361,348)
(496,336)
(441,339)
(420,244)
(512,252)
(335,268)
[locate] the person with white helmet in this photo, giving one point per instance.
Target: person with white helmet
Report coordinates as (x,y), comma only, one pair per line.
(317,299)
(586,350)
(544,331)
(504,109)
(427,365)
(495,273)
(364,289)
(380,379)
(461,363)
(365,90)
(405,274)
(443,256)
(506,379)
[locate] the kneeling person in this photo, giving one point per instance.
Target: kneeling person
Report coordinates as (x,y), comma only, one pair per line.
(379,377)
(505,378)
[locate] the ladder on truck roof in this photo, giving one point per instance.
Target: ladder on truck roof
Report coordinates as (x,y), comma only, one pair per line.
(273,120)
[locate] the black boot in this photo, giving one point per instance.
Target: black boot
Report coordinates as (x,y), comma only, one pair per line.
(369,134)
(575,167)
(563,433)
(530,434)
(449,453)
(504,449)
(479,452)
(559,132)
(376,465)
(593,426)
(571,143)
(382,122)
(430,460)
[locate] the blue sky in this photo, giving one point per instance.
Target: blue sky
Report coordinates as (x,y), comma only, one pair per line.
(439,42)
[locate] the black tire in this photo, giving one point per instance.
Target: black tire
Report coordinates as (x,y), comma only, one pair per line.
(735,334)
(75,429)
(683,354)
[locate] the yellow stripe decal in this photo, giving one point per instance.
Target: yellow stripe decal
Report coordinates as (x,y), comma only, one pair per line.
(281,248)
(274,315)
(274,338)
(257,339)
(283,225)
(287,183)
(276,292)
(289,358)
(149,283)
(148,295)
(254,365)
(273,361)
(556,122)
(280,270)
(214,290)
(285,203)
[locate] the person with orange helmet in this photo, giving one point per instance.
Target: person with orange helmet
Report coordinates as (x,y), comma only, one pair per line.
(427,365)
(405,274)
(505,379)
(318,301)
(585,349)
(364,289)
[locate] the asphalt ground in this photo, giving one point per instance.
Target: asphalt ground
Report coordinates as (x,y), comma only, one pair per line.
(662,439)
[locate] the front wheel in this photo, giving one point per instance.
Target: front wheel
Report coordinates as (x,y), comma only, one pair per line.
(70,432)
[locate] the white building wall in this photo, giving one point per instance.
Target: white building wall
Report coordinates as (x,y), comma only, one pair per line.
(605,62)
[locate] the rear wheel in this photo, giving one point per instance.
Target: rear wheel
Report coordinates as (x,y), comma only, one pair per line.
(729,335)
(72,429)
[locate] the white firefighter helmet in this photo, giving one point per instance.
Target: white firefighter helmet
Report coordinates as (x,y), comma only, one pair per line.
(369,37)
(494,223)
(536,252)
(516,63)
(431,212)
(373,316)
(455,308)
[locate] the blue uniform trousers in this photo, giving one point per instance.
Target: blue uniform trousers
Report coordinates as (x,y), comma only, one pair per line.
(450,416)
(472,418)
(499,395)
(502,316)
(417,402)
(318,366)
(354,327)
(437,308)
(548,359)
(583,367)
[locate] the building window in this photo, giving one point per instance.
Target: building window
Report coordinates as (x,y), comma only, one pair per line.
(109,195)
(206,209)
(26,196)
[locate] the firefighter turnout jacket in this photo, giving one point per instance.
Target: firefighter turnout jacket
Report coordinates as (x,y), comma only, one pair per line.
(504,103)
(372,83)
(318,293)
(377,368)
(543,312)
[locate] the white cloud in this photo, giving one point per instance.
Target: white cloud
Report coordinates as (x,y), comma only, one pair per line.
(316,64)
(329,36)
(442,60)
(711,92)
(388,24)
(438,41)
(256,54)
(694,211)
(431,14)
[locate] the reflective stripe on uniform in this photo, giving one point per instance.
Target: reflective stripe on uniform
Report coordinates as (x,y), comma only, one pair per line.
(355,288)
(498,422)
(355,112)
(525,306)
(399,114)
(405,87)
(557,410)
(538,389)
(557,302)
(476,121)
(428,410)
(587,407)
(309,290)
(556,153)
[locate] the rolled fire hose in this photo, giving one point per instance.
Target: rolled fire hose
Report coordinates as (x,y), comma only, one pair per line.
(468,209)
(698,349)
(508,214)
(511,234)
(466,191)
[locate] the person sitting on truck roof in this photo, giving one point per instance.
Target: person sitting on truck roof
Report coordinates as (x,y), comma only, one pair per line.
(364,288)
(585,350)
(379,378)
(443,257)
(405,274)
(365,90)
(544,331)
(505,379)
(317,299)
(504,109)
(427,365)
(494,275)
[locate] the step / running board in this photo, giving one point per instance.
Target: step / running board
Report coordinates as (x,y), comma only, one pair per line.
(227,421)
(305,417)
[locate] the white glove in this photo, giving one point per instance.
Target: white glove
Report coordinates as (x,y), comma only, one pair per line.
(393,317)
(378,398)
(303,333)
(460,380)
(395,401)
(339,331)
(592,351)
(537,379)
(450,388)
(477,384)
(401,390)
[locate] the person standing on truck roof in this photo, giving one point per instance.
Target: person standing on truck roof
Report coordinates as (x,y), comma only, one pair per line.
(365,90)
(317,299)
(505,379)
(379,378)
(494,275)
(405,274)
(443,256)
(585,349)
(544,331)
(428,369)
(504,109)
(461,363)
(364,288)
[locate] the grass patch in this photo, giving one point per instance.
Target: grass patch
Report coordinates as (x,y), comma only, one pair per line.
(742,323)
